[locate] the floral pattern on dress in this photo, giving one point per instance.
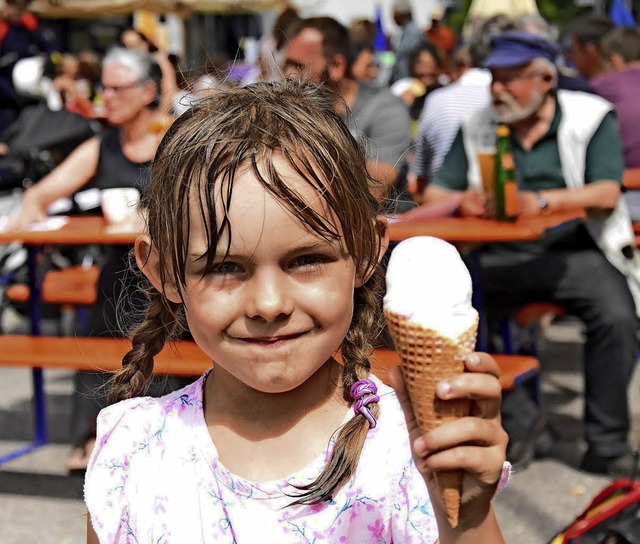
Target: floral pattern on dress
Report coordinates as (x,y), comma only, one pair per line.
(155,478)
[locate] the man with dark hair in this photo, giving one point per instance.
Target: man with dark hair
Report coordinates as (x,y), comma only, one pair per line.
(320,50)
(567,154)
(19,38)
(586,34)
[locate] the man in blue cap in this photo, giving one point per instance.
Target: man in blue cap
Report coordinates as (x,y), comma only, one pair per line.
(568,156)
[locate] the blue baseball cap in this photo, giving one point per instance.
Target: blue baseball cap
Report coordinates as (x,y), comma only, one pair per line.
(515,48)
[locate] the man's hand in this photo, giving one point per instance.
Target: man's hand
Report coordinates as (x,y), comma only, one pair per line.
(474,204)
(416,186)
(529,203)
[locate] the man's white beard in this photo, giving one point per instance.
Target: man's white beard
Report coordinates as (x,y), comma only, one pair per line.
(509,112)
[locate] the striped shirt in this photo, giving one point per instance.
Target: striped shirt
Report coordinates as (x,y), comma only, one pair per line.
(443,113)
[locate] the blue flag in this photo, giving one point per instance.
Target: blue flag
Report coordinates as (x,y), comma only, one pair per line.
(620,13)
(379,40)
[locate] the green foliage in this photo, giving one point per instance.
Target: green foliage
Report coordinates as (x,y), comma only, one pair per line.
(557,12)
(457,17)
(560,12)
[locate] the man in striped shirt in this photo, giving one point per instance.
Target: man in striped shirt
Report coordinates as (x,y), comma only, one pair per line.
(446,108)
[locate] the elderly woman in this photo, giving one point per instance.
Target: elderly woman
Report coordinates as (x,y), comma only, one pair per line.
(117,158)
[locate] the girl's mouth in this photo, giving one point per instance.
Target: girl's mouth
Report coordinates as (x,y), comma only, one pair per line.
(271,340)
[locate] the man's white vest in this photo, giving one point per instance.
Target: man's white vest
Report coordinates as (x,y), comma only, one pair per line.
(582,114)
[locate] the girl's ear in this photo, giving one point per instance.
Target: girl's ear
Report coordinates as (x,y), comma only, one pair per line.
(148,262)
(382,226)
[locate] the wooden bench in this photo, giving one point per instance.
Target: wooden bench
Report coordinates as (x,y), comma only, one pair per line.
(184,357)
(178,358)
(76,286)
(74,289)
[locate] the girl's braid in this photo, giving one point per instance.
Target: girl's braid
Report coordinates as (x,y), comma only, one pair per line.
(160,324)
(355,350)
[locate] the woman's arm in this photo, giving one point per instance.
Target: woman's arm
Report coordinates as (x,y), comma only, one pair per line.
(169,83)
(74,172)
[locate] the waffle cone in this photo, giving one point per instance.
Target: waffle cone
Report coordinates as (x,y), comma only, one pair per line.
(428,357)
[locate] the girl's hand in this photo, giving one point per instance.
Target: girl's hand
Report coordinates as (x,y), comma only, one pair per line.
(476,444)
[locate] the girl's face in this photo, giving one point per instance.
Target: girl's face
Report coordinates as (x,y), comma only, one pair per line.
(278,306)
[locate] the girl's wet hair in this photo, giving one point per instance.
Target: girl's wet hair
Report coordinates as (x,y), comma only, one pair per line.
(196,164)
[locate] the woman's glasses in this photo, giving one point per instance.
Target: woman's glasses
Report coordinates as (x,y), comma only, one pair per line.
(118,88)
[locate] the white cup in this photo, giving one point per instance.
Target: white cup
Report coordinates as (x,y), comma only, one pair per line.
(120,206)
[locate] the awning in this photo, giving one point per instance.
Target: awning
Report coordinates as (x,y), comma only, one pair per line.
(514,8)
(105,8)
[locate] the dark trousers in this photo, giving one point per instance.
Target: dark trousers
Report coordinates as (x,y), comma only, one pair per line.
(587,286)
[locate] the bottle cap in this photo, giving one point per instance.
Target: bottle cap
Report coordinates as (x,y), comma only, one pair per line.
(502,130)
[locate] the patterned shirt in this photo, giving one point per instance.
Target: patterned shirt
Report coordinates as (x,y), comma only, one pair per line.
(155,477)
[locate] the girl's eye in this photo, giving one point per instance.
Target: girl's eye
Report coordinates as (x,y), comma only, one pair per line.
(309,261)
(226,268)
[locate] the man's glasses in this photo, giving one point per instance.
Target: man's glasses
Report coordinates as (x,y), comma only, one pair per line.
(508,80)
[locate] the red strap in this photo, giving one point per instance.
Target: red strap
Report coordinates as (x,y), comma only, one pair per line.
(29,21)
(4,28)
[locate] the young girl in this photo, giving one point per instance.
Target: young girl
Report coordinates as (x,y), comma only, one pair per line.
(263,238)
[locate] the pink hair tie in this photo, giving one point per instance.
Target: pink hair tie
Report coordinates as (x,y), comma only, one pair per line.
(363,392)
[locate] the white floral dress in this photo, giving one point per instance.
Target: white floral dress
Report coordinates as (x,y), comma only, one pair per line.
(155,477)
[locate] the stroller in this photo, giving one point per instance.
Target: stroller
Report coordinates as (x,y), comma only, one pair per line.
(38,141)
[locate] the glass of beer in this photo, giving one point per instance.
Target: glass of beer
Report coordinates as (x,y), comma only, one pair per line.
(487,161)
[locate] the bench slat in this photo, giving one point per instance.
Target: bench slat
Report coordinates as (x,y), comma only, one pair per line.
(95,354)
(184,357)
(76,285)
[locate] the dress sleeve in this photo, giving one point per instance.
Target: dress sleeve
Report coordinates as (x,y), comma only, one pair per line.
(107,486)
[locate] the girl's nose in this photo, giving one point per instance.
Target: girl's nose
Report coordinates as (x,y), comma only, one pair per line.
(270,296)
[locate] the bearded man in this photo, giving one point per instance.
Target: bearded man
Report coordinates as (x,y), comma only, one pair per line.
(568,156)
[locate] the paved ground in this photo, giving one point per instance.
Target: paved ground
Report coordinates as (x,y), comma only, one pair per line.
(40,504)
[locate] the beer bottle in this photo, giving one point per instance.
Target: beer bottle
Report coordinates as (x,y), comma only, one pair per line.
(506,193)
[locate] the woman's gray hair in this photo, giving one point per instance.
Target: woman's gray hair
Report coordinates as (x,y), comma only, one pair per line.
(140,63)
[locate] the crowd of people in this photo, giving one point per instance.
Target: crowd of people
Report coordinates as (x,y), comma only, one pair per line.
(311,146)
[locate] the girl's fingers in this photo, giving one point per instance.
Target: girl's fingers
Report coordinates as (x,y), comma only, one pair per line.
(480,384)
(483,389)
(474,445)
(485,463)
(469,386)
(482,362)
(464,431)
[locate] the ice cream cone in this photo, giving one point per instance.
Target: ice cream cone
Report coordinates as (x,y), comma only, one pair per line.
(428,357)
